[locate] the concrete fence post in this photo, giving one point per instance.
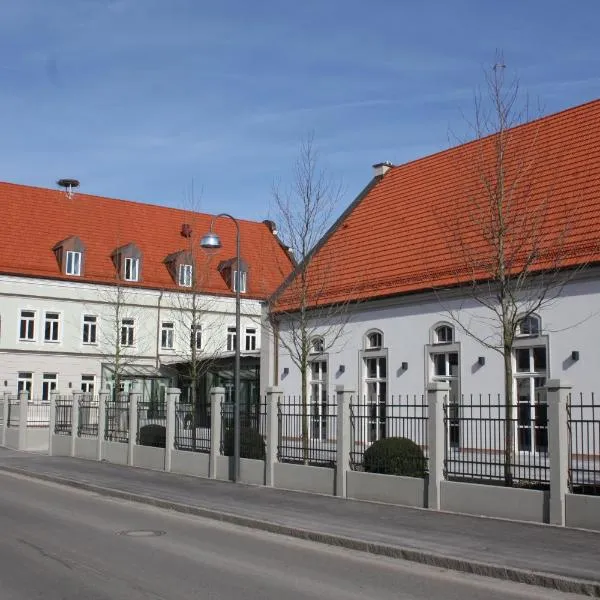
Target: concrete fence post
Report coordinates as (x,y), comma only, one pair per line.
(217,397)
(23,418)
(343,438)
(437,394)
(75,420)
(173,395)
(135,396)
(274,397)
(103,397)
(5,410)
(54,396)
(558,447)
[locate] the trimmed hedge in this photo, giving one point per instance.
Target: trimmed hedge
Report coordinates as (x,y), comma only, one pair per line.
(153,435)
(395,456)
(252,444)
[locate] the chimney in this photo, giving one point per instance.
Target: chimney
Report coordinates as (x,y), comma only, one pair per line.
(380,169)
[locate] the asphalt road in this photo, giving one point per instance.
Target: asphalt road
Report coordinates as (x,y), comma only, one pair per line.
(60,543)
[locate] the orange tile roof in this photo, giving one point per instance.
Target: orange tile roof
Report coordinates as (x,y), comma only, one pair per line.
(35,219)
(402,235)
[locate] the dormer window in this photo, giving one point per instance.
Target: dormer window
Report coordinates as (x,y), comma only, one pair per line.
(530,325)
(241,279)
(228,269)
(73,263)
(185,275)
(131,269)
(70,256)
(128,262)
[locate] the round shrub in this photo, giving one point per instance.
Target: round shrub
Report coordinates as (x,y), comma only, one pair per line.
(252,444)
(153,435)
(395,456)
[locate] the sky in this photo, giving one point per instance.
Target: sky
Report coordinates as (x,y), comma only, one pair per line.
(204,104)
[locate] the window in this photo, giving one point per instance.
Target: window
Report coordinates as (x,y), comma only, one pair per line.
(73,263)
(27,326)
(374,340)
(24,382)
(376,387)
(131,269)
(317,345)
(445,366)
(89,329)
(48,385)
(444,334)
(235,281)
(185,275)
(530,325)
(250,339)
(196,337)
(231,338)
(127,337)
(318,399)
(166,336)
(88,383)
(51,327)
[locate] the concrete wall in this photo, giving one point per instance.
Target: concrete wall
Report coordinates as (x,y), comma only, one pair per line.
(304,478)
(495,501)
(252,471)
(225,467)
(409,491)
(583,511)
(61,445)
(115,452)
(148,457)
(86,448)
(189,463)
(37,439)
(12,438)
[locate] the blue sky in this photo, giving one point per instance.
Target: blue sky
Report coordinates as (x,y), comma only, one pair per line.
(150,99)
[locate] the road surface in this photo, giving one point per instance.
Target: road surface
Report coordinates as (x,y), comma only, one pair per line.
(60,543)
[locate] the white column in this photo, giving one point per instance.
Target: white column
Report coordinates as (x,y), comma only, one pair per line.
(217,397)
(5,402)
(437,393)
(274,397)
(173,395)
(134,396)
(75,420)
(102,399)
(23,415)
(54,396)
(343,438)
(558,447)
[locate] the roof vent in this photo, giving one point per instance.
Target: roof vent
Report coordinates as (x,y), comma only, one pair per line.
(186,230)
(380,169)
(271,225)
(68,185)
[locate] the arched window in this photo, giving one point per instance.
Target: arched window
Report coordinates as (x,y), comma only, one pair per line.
(374,340)
(317,345)
(443,334)
(530,325)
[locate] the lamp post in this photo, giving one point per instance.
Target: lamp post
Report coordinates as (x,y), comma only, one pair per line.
(211,241)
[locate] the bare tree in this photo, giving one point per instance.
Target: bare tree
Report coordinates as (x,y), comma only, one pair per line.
(513,258)
(300,314)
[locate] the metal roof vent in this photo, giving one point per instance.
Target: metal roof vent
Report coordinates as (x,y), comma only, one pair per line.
(271,225)
(380,169)
(68,185)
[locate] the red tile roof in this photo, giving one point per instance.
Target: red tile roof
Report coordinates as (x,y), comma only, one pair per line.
(35,219)
(402,235)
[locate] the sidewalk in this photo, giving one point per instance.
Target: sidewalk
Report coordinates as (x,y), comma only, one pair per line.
(566,559)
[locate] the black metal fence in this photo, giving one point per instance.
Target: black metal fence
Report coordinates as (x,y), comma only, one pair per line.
(117,420)
(38,413)
(378,418)
(307,431)
(63,413)
(583,420)
(189,434)
(150,412)
(488,442)
(253,430)
(88,416)
(12,419)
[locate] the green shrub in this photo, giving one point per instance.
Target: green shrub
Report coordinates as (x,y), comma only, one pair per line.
(395,456)
(153,435)
(252,444)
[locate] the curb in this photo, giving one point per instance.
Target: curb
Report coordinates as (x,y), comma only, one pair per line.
(556,582)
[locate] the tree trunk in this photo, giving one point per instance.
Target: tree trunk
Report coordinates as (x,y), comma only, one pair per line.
(509,421)
(305,423)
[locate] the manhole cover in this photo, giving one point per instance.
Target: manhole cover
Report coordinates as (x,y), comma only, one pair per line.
(142,532)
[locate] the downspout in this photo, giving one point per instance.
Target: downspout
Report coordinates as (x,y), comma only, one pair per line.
(160,295)
(276,353)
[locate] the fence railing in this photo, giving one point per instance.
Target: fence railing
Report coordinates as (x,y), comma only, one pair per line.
(488,442)
(38,413)
(14,408)
(150,413)
(378,418)
(583,423)
(307,431)
(191,432)
(253,430)
(117,420)
(88,416)
(63,416)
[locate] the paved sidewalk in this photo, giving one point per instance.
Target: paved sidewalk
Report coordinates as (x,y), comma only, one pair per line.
(561,558)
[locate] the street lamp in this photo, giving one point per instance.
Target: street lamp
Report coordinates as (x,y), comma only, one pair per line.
(211,241)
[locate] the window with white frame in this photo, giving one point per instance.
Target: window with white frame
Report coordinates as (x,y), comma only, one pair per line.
(443,334)
(186,275)
(166,335)
(530,325)
(318,399)
(374,340)
(73,263)
(242,282)
(90,323)
(317,345)
(131,269)
(231,338)
(250,339)
(196,336)
(27,326)
(88,384)
(375,379)
(51,324)
(48,384)
(25,382)
(127,332)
